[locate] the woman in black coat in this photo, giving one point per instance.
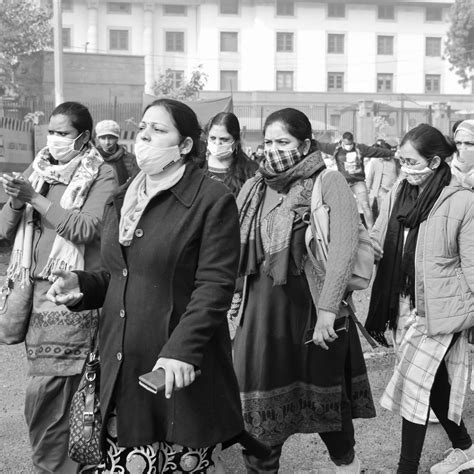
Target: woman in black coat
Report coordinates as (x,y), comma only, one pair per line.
(170,249)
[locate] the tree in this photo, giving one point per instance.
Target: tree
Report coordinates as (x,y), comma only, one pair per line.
(459,46)
(24,29)
(165,85)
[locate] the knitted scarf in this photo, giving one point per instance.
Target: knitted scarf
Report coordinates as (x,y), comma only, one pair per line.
(117,163)
(296,185)
(396,272)
(79,175)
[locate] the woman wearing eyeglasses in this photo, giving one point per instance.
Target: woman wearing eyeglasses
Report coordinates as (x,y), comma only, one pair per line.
(423,291)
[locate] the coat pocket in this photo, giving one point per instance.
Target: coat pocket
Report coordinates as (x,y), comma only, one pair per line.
(462,284)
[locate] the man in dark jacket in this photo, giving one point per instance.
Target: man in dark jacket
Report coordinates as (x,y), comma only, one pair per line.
(349,157)
(122,161)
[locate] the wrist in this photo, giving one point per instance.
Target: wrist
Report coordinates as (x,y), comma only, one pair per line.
(17,205)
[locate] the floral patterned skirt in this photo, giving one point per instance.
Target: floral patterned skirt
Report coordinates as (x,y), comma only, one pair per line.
(159,457)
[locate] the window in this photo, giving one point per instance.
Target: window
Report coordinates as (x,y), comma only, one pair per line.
(384,82)
(386,12)
(433,47)
(229,7)
(434,14)
(118,40)
(284,80)
(177,10)
(119,7)
(335,43)
(335,81)
(66,5)
(229,42)
(66,37)
(335,120)
(385,45)
(432,83)
(174,41)
(229,80)
(176,77)
(285,7)
(336,10)
(284,42)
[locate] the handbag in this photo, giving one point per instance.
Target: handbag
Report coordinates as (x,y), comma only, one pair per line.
(16,300)
(317,240)
(85,420)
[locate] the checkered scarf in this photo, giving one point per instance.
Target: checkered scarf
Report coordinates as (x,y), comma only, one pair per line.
(282,160)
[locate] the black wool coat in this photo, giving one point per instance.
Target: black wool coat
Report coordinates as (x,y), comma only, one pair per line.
(167,296)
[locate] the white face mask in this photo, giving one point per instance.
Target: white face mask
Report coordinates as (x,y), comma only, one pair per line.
(462,167)
(347,147)
(220,151)
(416,177)
(62,148)
(153,160)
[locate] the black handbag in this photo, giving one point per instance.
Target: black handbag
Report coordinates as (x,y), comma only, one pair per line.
(85,420)
(16,301)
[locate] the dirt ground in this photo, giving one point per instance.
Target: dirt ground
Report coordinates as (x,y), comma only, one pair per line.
(378,439)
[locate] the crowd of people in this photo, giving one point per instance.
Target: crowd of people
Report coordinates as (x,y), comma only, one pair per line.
(151,252)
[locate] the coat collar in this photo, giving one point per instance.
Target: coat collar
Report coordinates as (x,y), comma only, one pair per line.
(185,190)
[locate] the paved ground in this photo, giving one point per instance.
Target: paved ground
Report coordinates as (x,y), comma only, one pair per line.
(378,439)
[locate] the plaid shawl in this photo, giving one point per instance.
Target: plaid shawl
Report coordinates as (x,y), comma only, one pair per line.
(296,185)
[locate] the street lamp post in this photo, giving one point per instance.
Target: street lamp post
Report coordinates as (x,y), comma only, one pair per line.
(58,53)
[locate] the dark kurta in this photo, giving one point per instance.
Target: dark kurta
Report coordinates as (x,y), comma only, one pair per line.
(287,386)
(167,296)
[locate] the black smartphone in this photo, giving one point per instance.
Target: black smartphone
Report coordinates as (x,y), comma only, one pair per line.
(155,380)
(340,324)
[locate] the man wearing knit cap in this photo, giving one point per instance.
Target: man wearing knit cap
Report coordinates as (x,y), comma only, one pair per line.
(122,162)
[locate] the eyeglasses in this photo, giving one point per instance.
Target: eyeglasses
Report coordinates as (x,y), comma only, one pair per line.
(408,161)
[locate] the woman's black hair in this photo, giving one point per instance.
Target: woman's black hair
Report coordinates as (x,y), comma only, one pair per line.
(429,142)
(296,123)
(185,120)
(242,167)
(79,115)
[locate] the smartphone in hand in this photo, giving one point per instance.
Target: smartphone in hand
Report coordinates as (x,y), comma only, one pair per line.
(155,380)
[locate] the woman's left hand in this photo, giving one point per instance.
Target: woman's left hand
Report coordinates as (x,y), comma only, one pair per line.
(178,374)
(18,187)
(324,330)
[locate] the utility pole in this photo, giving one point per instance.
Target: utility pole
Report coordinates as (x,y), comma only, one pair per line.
(58,52)
(402,113)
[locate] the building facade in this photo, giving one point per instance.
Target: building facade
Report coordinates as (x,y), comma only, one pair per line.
(375,47)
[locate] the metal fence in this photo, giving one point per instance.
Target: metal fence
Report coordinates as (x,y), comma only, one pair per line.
(326,118)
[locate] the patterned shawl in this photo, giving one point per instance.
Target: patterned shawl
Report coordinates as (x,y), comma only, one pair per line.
(296,186)
(78,174)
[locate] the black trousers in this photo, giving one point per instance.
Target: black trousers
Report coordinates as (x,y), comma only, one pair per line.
(413,434)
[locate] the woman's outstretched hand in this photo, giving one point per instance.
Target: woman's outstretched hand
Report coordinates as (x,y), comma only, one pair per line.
(178,374)
(324,330)
(65,288)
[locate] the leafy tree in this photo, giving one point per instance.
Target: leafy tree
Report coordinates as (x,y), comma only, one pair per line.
(459,47)
(24,29)
(165,85)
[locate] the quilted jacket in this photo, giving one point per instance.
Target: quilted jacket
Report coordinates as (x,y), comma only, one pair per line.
(444,259)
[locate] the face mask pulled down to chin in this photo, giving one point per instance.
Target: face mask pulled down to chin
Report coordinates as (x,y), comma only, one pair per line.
(62,149)
(462,167)
(153,160)
(416,177)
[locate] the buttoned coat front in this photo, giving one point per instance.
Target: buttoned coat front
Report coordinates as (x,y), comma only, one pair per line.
(167,295)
